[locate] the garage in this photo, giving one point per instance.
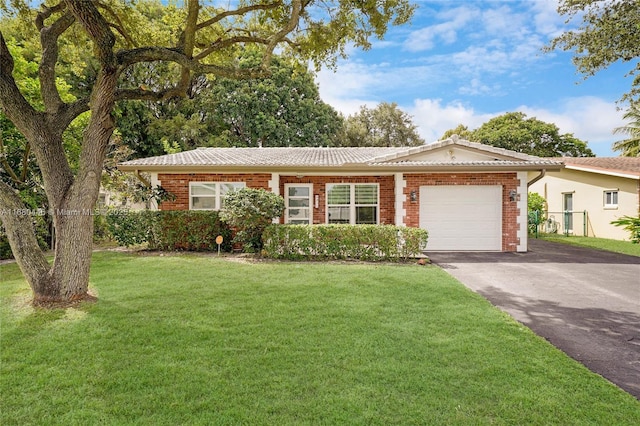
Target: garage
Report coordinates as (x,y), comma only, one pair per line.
(462,217)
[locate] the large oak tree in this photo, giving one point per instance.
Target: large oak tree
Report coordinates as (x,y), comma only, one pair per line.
(205,40)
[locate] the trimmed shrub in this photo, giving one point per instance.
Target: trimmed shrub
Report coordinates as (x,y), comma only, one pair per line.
(191,230)
(249,211)
(169,230)
(130,228)
(361,242)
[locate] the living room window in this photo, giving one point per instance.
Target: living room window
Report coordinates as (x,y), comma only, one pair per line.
(611,199)
(209,195)
(353,203)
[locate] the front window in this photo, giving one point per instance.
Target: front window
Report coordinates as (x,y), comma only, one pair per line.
(610,199)
(352,203)
(210,195)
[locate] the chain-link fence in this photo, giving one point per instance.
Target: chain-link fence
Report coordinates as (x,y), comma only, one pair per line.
(567,223)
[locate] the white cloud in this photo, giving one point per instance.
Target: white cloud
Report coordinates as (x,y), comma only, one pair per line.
(433,118)
(503,20)
(588,118)
(546,19)
(445,32)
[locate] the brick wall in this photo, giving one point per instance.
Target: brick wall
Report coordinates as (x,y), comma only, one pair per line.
(178,185)
(387,203)
(508,181)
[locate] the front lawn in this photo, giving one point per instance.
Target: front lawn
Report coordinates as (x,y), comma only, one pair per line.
(617,246)
(202,340)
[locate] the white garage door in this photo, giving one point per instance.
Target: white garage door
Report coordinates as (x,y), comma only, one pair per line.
(461,218)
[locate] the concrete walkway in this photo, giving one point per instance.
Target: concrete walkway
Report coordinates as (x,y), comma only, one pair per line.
(585,302)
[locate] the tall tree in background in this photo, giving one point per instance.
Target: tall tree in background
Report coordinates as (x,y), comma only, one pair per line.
(609,32)
(461,130)
(203,40)
(283,109)
(516,132)
(630,147)
(384,125)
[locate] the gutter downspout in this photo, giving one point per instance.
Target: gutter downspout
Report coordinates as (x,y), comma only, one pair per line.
(543,172)
(142,179)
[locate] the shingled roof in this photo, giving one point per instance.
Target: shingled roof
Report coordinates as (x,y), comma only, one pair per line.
(333,158)
(606,165)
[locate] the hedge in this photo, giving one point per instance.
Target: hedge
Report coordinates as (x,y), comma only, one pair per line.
(362,242)
(169,230)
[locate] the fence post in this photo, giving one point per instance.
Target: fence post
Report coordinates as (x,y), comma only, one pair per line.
(584,223)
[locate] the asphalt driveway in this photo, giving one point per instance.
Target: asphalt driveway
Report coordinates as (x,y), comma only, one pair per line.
(585,302)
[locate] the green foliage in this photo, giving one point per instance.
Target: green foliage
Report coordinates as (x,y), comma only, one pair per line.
(537,210)
(629,147)
(461,130)
(516,132)
(536,202)
(363,242)
(283,109)
(191,230)
(631,224)
(169,230)
(249,211)
(130,228)
(384,125)
(609,33)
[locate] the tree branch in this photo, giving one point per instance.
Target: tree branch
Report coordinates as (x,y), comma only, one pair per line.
(187,42)
(69,112)
(296,10)
(221,44)
(97,28)
(127,58)
(47,69)
(12,103)
(238,12)
(118,25)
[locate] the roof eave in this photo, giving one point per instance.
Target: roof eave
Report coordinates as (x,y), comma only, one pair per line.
(350,168)
(609,172)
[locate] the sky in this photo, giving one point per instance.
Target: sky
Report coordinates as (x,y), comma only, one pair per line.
(467,61)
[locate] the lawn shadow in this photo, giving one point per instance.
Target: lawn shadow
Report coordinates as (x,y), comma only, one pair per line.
(607,342)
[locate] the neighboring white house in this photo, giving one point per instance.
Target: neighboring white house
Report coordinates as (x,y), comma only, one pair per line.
(590,192)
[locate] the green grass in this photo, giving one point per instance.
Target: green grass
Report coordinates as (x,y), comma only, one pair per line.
(205,341)
(617,246)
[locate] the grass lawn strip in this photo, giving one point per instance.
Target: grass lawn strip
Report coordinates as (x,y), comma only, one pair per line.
(617,246)
(200,340)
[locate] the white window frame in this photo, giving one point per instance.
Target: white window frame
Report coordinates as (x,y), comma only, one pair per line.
(352,205)
(613,193)
(218,192)
(287,219)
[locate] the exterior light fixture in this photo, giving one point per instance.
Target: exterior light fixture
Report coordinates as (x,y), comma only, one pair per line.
(413,196)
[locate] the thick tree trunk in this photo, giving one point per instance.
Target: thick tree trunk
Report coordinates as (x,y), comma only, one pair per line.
(73,208)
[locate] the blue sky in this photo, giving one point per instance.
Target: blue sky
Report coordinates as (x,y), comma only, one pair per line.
(464,62)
